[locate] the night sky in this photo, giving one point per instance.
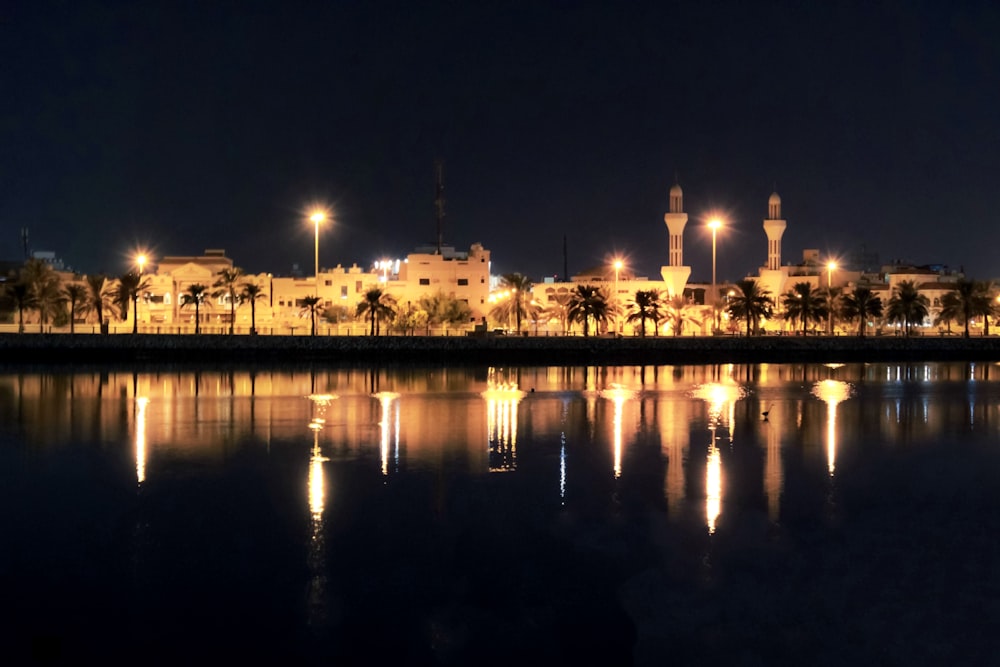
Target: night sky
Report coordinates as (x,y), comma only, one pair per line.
(182,126)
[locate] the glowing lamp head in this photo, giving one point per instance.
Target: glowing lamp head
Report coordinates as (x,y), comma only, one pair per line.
(618,265)
(714,224)
(318,217)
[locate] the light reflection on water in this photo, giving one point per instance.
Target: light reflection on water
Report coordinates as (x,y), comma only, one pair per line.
(699,446)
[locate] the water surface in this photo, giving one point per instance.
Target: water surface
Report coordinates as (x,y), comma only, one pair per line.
(747,514)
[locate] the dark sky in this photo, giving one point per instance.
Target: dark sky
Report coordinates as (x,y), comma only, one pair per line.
(191,125)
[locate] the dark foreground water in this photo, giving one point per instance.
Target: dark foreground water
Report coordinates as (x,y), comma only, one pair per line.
(738,515)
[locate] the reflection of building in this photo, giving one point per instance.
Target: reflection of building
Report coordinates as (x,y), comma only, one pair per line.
(502,397)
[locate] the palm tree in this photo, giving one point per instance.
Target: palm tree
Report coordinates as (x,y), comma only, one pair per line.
(588,302)
(751,303)
(376,306)
(907,305)
(833,299)
(951,310)
(969,299)
(76,294)
(678,313)
(805,304)
(228,284)
(195,295)
(46,289)
(312,304)
(252,293)
(515,306)
(558,309)
(98,297)
(861,303)
(130,285)
(644,306)
(20,294)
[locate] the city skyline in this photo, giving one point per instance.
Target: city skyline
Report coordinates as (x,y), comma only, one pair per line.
(179,128)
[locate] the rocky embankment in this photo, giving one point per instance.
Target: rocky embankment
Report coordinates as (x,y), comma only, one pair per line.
(34,349)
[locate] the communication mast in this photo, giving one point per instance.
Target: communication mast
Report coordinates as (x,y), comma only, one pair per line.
(439,203)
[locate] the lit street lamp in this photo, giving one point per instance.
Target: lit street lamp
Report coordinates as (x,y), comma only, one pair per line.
(830,267)
(714,226)
(317,217)
(618,267)
(141,261)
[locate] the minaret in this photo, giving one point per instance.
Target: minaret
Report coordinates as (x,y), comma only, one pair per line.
(774,227)
(772,276)
(676,274)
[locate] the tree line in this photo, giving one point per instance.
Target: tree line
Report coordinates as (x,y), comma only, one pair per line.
(37,288)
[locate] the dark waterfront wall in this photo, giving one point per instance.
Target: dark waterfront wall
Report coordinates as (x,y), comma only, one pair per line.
(16,349)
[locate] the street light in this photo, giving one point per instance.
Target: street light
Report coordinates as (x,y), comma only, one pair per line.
(618,267)
(830,267)
(714,225)
(141,261)
(317,217)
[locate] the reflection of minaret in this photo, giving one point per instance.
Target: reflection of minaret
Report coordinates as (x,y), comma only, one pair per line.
(675,435)
(676,274)
(773,472)
(772,276)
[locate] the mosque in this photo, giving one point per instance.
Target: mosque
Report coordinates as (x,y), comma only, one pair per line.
(773,276)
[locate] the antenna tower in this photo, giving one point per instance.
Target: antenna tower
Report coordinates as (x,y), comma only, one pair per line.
(439,203)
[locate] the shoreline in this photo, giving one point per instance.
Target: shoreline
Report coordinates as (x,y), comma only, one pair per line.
(123,349)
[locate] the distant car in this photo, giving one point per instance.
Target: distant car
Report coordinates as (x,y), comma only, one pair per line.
(499,332)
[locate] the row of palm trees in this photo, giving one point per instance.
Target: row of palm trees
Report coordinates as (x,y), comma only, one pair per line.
(805,305)
(801,306)
(39,288)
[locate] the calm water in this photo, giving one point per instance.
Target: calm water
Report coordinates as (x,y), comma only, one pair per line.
(751,514)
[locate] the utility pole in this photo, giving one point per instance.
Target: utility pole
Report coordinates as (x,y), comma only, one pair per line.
(439,203)
(24,241)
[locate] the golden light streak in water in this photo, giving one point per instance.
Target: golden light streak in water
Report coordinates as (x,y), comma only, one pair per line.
(832,392)
(719,396)
(617,394)
(713,486)
(140,439)
(386,400)
(502,397)
(317,481)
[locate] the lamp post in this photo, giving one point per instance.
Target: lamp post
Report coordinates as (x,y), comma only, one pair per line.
(830,266)
(714,226)
(141,261)
(317,217)
(618,267)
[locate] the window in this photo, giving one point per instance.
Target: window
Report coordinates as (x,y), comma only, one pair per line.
(463,281)
(357,287)
(425,281)
(343,291)
(327,282)
(166,298)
